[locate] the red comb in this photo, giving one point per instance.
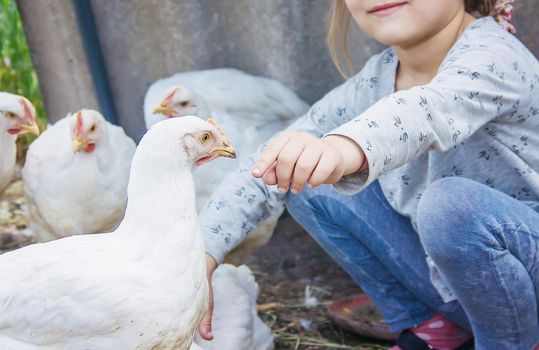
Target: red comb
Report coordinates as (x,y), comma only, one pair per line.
(78,124)
(212,121)
(169,95)
(28,115)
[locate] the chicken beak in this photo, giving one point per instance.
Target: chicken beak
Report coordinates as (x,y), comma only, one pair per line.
(79,144)
(162,109)
(31,128)
(226,150)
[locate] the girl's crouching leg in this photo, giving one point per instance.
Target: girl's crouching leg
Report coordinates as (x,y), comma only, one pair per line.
(485,244)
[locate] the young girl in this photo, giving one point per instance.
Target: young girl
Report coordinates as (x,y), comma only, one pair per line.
(433,153)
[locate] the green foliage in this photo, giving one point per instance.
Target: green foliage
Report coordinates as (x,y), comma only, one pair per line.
(17,74)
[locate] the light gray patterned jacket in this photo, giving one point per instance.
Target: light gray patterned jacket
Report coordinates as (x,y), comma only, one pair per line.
(478,118)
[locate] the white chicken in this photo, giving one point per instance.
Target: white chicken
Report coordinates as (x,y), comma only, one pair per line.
(250,110)
(142,286)
(235,322)
(75,177)
(252,100)
(17,116)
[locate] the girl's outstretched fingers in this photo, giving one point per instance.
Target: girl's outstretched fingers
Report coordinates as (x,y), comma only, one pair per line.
(286,162)
(270,177)
(304,168)
(269,155)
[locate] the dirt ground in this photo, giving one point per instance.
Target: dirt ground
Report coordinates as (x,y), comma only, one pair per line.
(288,265)
(14,232)
(284,268)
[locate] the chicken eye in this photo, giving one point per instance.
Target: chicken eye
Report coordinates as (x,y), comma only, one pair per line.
(184,103)
(92,128)
(205,137)
(10,115)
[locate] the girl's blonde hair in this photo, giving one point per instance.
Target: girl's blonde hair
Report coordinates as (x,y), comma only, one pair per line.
(339,20)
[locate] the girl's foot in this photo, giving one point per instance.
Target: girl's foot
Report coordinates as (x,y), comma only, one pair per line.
(440,333)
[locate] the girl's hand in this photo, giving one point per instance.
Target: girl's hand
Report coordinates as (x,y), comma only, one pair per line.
(293,159)
(205,325)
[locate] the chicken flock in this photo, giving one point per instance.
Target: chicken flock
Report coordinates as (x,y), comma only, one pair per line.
(113,273)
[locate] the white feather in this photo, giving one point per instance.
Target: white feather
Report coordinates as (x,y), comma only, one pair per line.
(71,192)
(8,148)
(142,286)
(7,159)
(252,99)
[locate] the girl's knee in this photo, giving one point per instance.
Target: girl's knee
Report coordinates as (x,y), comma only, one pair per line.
(446,193)
(447,201)
(444,214)
(452,218)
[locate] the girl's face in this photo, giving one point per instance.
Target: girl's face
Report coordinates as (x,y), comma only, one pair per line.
(403,23)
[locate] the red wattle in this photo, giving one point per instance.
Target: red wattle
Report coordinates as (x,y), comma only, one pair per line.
(90,148)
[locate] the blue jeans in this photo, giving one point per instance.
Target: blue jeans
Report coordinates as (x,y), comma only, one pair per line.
(485,245)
